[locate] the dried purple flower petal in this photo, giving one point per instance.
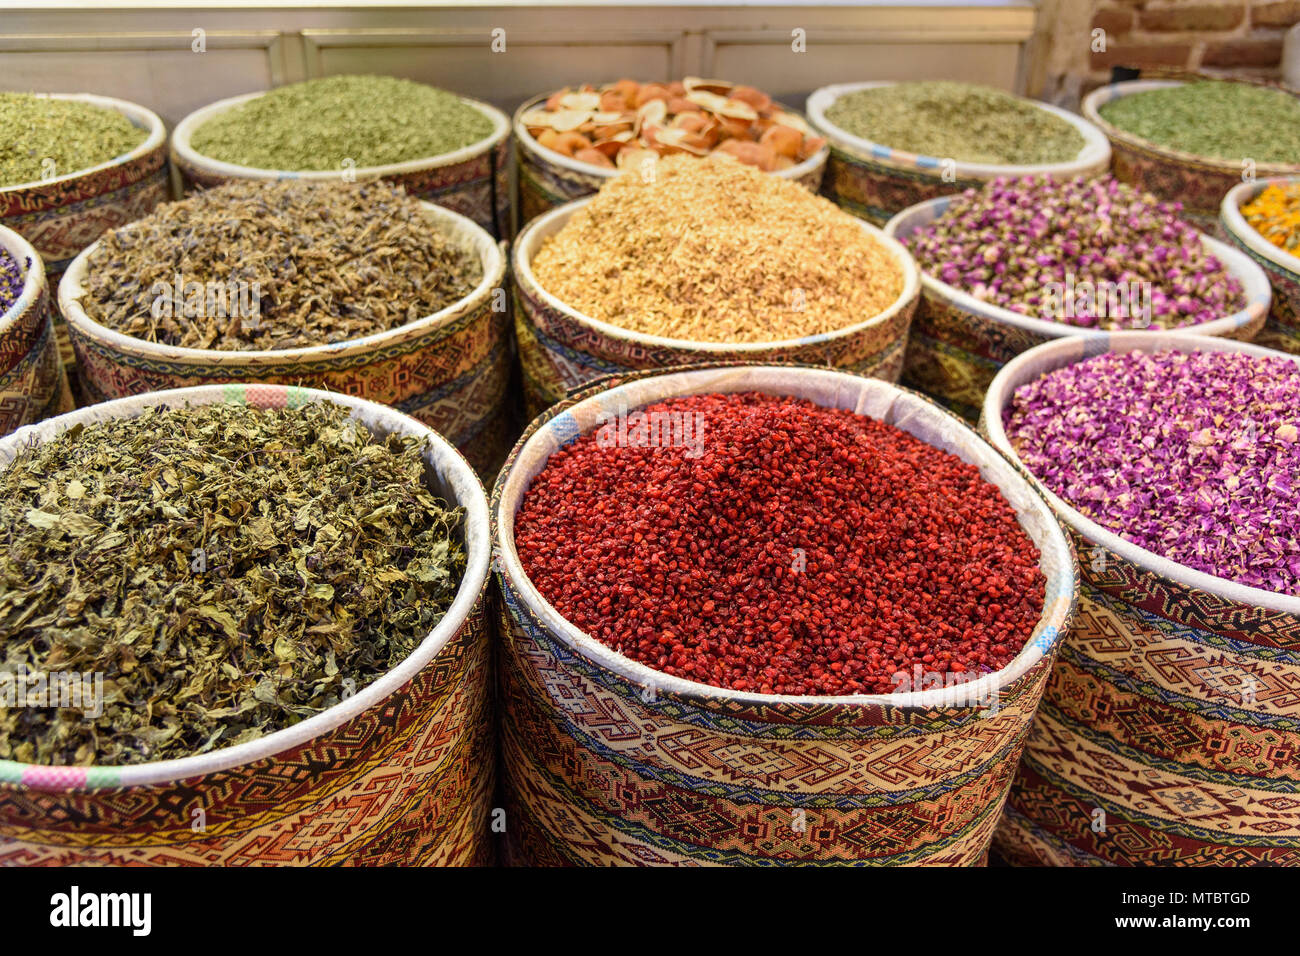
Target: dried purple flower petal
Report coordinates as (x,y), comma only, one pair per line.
(1091,253)
(1192,455)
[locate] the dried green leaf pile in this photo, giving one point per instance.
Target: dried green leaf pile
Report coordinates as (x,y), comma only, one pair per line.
(228,570)
(44,137)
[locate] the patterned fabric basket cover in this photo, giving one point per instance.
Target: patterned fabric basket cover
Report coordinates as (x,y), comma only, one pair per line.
(958,343)
(400,773)
(33,384)
(1147,732)
(450,370)
(608,762)
(63,215)
(875,182)
(1282,331)
(561,349)
(473,181)
(1197,182)
(548,179)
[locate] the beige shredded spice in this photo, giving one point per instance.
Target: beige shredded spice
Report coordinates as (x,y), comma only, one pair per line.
(715,251)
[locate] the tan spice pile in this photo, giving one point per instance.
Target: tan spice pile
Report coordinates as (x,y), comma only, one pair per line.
(715,251)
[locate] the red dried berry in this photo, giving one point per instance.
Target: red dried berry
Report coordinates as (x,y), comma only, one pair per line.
(792,549)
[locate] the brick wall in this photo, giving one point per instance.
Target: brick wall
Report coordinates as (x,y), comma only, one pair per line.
(1227,37)
(1241,37)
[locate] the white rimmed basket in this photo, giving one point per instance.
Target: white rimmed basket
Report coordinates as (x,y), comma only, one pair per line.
(561,348)
(1171,709)
(473,180)
(958,343)
(1198,182)
(548,179)
(450,369)
(62,215)
(401,772)
(653,769)
(1282,330)
(874,182)
(33,384)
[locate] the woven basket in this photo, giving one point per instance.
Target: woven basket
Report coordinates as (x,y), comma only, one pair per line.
(63,215)
(609,762)
(450,369)
(33,384)
(548,179)
(875,182)
(1198,182)
(1282,330)
(1144,731)
(958,343)
(473,181)
(401,772)
(561,349)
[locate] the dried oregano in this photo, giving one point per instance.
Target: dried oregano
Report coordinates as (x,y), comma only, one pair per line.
(42,137)
(1215,118)
(957,121)
(222,571)
(341,120)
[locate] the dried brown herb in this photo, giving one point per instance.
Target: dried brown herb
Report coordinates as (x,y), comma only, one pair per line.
(277,265)
(228,571)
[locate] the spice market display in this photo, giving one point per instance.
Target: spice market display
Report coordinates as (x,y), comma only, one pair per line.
(409,458)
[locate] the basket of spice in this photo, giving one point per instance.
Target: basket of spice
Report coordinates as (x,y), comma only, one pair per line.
(705,260)
(1167,731)
(33,383)
(569,143)
(818,610)
(352,287)
(1263,220)
(76,165)
(448,149)
(896,144)
(243,625)
(1024,261)
(1193,141)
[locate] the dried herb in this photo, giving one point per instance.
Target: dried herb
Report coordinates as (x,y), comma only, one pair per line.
(324,124)
(228,571)
(1215,118)
(277,265)
(42,137)
(958,121)
(11,281)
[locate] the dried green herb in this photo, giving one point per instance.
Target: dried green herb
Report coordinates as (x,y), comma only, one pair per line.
(228,571)
(1215,118)
(958,121)
(41,137)
(324,124)
(277,265)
